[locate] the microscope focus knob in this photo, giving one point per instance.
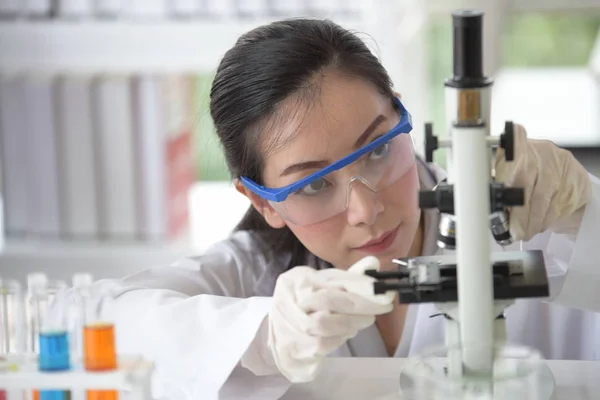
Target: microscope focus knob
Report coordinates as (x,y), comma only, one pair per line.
(513,196)
(442,198)
(431,142)
(428,199)
(507,141)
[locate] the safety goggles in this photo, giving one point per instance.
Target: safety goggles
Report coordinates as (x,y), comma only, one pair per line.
(326,193)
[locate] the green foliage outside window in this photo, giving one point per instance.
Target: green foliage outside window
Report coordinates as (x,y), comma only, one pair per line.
(530,40)
(551,40)
(210,160)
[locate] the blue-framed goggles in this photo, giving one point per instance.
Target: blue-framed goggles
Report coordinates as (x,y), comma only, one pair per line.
(278,195)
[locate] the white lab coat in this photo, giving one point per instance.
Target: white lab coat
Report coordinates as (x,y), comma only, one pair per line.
(198,317)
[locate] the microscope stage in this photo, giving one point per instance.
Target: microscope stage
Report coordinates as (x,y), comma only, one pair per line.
(432,279)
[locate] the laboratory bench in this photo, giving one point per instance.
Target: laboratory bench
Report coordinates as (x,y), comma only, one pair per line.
(378,379)
(341,378)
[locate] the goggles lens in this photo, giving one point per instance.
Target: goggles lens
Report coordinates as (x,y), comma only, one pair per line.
(329,195)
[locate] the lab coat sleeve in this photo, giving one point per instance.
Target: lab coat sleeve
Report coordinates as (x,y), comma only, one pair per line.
(573,261)
(195,319)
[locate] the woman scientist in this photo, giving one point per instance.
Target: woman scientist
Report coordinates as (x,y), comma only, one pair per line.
(289,99)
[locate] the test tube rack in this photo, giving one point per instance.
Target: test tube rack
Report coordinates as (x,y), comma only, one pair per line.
(132,378)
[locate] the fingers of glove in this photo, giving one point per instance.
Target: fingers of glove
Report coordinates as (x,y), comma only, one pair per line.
(296,283)
(301,281)
(545,201)
(341,302)
(571,191)
(539,189)
(360,267)
(297,305)
(520,216)
(506,170)
(522,172)
(360,285)
(365,264)
(315,346)
(286,344)
(288,323)
(326,324)
(575,185)
(355,271)
(297,276)
(355,281)
(555,184)
(291,286)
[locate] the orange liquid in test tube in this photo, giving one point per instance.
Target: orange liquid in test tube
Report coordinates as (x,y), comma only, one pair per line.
(99,355)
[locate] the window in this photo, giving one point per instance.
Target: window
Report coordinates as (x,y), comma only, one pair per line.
(210,159)
(545,58)
(559,39)
(215,206)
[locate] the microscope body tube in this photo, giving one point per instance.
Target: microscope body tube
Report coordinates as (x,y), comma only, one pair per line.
(453,97)
(474,272)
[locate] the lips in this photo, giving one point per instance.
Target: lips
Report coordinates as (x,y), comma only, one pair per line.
(381,243)
(378,239)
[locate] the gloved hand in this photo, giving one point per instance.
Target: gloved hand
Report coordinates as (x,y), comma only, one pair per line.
(316,311)
(557,187)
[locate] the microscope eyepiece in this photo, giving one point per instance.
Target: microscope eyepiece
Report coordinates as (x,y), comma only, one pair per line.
(467,32)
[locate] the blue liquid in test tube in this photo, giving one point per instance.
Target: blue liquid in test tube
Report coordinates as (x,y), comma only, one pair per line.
(53,340)
(54,351)
(54,356)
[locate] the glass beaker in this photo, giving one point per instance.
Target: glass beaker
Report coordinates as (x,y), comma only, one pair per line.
(518,374)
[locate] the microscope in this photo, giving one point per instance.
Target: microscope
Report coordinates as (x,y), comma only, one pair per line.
(473,286)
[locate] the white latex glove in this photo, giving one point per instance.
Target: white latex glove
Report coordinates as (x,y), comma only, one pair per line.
(557,187)
(316,311)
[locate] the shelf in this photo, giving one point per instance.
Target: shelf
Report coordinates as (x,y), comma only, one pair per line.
(60,260)
(86,46)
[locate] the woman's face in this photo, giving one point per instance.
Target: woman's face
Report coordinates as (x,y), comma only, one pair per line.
(340,111)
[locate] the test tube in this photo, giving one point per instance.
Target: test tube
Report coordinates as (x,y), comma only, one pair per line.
(81,301)
(48,336)
(12,318)
(53,338)
(38,304)
(99,353)
(12,331)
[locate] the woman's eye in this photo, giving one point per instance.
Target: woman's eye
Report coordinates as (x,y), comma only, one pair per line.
(379,152)
(315,187)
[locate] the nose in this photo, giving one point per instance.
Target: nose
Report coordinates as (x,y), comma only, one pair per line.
(364,204)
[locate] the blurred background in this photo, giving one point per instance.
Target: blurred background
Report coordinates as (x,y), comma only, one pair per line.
(109,161)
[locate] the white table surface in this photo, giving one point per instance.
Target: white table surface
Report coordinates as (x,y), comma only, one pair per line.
(377,378)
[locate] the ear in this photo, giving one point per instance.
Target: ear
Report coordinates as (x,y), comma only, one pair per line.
(397,94)
(262,206)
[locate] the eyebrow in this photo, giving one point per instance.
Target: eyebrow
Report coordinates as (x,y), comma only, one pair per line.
(362,139)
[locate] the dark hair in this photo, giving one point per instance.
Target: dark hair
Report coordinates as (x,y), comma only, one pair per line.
(266,66)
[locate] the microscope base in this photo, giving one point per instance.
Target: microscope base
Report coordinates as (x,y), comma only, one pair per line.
(519,374)
(450,311)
